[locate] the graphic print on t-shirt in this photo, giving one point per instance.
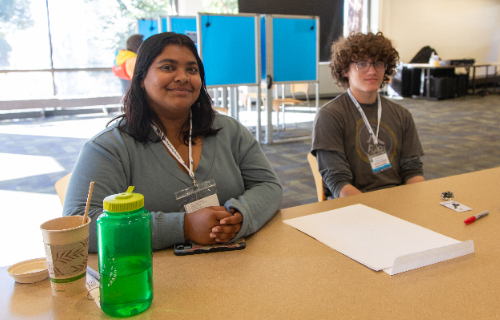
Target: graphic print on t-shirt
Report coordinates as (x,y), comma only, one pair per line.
(386,137)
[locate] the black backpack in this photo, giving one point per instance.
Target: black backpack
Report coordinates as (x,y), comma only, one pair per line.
(424,55)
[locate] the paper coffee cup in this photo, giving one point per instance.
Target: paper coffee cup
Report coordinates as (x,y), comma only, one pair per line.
(66,243)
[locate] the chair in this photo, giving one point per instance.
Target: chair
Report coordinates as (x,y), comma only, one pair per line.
(252,96)
(283,102)
(300,87)
(61,186)
(294,88)
(279,103)
(248,97)
(318,180)
(220,110)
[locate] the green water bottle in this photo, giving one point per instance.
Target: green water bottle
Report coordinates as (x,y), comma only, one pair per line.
(125,255)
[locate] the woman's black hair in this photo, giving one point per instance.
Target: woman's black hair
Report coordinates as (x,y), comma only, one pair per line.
(139,114)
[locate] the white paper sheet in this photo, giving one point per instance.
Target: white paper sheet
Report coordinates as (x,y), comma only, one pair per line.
(421,259)
(377,239)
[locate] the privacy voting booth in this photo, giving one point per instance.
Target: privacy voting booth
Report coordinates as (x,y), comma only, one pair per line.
(184,25)
(247,49)
(290,54)
(148,27)
(229,46)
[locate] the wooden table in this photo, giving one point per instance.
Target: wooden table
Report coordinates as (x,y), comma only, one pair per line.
(285,274)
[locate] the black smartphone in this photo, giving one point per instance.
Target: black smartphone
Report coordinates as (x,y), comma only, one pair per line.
(188,248)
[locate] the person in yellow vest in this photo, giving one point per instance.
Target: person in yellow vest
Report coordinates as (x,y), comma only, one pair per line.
(123,66)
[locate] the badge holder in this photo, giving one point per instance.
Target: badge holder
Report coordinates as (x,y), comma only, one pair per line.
(197,197)
(378,158)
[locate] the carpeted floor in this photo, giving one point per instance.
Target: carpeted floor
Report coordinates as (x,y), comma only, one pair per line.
(458,135)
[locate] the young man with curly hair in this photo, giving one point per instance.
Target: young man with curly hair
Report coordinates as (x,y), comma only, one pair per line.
(362,141)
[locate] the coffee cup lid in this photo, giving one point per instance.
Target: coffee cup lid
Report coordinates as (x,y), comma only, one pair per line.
(29,271)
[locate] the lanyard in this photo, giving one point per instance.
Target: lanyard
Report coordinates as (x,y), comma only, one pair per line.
(367,124)
(174,152)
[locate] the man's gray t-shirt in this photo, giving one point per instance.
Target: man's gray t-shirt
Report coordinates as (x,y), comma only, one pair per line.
(339,127)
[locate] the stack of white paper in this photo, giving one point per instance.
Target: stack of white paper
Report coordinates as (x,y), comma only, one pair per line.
(378,240)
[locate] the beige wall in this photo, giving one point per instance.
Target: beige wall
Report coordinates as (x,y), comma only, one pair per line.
(456,29)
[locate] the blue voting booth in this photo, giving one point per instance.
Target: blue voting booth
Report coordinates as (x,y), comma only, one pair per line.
(229,49)
(247,49)
(292,49)
(147,27)
(290,54)
(184,25)
(178,24)
(229,46)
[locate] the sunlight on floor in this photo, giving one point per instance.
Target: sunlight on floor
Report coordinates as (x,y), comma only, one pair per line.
(84,128)
(24,212)
(20,233)
(22,166)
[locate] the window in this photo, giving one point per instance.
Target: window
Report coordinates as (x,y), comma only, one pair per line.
(65,49)
(59,38)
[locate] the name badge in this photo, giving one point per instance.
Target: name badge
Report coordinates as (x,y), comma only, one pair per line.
(209,201)
(378,159)
(198,197)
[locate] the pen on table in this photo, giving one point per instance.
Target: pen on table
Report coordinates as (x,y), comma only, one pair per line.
(477,216)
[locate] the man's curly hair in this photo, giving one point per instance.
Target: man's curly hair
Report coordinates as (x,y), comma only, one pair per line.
(357,47)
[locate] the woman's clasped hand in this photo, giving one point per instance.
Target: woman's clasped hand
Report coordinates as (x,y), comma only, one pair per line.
(211,225)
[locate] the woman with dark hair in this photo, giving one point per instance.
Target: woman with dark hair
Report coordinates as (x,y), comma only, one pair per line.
(203,175)
(362,141)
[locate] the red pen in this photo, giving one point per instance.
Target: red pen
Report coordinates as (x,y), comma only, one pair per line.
(477,216)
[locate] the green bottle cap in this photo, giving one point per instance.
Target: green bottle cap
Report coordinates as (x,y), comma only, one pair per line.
(124,202)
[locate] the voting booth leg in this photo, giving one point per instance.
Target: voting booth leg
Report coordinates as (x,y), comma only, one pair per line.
(282,108)
(233,111)
(224,98)
(216,97)
(317,96)
(269,111)
(258,132)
